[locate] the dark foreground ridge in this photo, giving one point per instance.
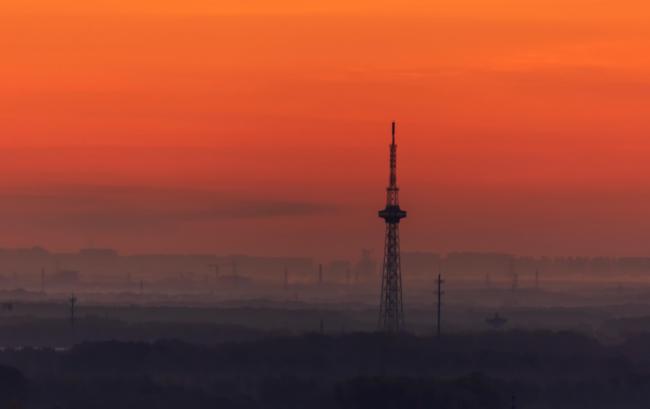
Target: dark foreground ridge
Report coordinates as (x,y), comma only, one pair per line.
(541,369)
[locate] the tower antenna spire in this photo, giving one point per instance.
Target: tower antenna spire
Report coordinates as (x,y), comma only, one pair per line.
(391,308)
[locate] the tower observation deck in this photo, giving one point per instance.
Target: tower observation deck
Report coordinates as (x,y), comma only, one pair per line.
(391,309)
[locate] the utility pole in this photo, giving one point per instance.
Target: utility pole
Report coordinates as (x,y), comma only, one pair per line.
(440,282)
(73,302)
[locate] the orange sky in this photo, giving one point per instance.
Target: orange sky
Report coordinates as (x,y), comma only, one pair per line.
(262,126)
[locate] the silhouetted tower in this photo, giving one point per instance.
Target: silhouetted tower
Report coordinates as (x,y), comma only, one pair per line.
(440,282)
(73,303)
(391,308)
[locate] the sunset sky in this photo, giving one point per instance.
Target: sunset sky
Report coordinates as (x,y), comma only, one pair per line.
(262,127)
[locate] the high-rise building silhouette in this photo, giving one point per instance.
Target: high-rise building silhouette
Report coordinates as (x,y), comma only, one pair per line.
(391,308)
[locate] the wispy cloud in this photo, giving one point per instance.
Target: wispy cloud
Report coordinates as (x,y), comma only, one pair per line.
(124,207)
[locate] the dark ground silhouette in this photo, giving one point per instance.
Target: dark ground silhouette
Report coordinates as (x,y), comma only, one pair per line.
(360,370)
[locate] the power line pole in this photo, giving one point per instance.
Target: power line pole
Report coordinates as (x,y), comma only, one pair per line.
(440,281)
(73,302)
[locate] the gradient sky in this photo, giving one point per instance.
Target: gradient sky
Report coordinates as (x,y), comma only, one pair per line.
(262,126)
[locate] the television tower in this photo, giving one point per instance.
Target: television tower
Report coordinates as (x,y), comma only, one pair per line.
(391,309)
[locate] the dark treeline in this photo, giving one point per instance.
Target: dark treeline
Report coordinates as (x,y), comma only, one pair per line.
(540,369)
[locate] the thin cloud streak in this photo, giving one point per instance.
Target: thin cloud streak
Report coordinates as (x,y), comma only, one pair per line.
(126,207)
